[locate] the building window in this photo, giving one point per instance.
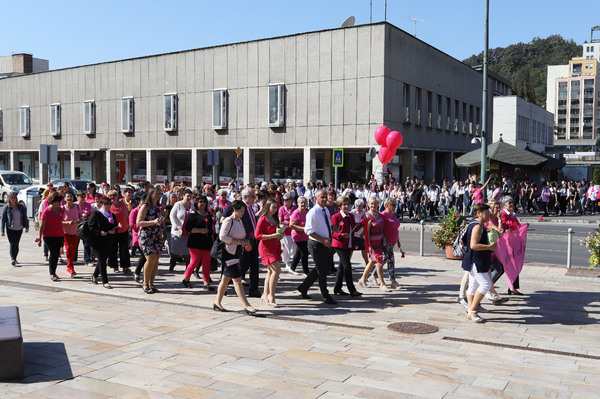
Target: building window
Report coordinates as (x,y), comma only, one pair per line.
(219,109)
(170,112)
(406,102)
(1,125)
(276,105)
(55,119)
(89,117)
(127,114)
(418,105)
(448,112)
(439,112)
(24,122)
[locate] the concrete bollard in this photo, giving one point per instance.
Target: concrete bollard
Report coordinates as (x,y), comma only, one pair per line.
(569,246)
(422,238)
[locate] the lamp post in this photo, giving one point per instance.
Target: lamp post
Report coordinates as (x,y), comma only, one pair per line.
(484,99)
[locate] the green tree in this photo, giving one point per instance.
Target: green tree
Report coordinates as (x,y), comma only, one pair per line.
(527,63)
(596,175)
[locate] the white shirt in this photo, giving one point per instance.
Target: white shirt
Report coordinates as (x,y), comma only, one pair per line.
(316,223)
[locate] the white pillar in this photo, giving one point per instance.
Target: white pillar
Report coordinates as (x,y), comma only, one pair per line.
(151,166)
(308,165)
(248,166)
(72,165)
(111,167)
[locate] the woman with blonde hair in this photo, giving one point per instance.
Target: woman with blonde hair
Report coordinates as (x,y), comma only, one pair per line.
(374,244)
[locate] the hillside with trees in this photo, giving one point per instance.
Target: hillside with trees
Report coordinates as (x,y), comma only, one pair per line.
(525,64)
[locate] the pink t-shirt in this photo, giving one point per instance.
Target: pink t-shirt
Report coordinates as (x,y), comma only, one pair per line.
(390,227)
(299,219)
(478,196)
(53,227)
(85,209)
(70,214)
(285,214)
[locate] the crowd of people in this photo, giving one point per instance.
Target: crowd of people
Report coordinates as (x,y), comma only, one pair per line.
(278,226)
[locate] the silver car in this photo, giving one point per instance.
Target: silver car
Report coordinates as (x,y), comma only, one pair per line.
(12,182)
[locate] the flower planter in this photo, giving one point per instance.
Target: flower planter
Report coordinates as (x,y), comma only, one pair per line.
(449,254)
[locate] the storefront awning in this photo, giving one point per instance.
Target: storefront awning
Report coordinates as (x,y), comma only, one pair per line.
(501,152)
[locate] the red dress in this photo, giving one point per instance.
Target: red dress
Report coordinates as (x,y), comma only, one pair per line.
(269,250)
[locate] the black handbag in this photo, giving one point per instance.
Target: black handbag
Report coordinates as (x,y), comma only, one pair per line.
(218,247)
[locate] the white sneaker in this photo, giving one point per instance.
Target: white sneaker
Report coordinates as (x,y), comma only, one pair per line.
(364,285)
(372,281)
(384,288)
(294,273)
(463,302)
(288,269)
(488,295)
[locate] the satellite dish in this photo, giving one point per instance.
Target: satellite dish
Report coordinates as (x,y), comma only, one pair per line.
(348,22)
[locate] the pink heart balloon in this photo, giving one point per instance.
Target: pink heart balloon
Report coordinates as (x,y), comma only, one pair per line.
(383,154)
(381,133)
(393,140)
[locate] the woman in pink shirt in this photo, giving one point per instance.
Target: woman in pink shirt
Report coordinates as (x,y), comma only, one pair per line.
(71,217)
(509,222)
(297,222)
(374,244)
(390,233)
(51,231)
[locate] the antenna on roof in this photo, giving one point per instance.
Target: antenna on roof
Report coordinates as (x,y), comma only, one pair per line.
(348,22)
(415,20)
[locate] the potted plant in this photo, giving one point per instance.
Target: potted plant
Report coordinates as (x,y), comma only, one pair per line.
(444,236)
(592,243)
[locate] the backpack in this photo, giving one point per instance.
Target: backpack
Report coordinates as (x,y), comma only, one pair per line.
(83,230)
(459,248)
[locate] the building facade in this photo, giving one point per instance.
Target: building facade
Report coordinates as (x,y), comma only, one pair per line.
(522,124)
(286,102)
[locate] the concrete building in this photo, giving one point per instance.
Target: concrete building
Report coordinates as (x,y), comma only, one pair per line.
(574,96)
(285,101)
(522,124)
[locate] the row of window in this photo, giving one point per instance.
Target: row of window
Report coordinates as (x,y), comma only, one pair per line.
(170,115)
(533,131)
(471,116)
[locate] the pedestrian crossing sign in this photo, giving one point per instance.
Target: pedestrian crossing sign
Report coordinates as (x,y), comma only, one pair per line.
(338,157)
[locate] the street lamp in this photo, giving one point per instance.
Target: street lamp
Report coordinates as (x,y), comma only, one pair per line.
(484,98)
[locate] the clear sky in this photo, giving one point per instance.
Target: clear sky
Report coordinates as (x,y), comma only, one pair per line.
(79,32)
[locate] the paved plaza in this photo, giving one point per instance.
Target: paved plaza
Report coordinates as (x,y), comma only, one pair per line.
(84,341)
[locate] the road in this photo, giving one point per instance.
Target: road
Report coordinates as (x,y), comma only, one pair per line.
(546,243)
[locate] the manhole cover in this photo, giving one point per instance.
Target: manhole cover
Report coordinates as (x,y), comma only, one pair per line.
(413,328)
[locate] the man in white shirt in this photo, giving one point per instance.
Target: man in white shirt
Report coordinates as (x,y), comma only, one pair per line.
(318,228)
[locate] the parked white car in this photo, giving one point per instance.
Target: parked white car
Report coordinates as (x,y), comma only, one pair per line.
(12,181)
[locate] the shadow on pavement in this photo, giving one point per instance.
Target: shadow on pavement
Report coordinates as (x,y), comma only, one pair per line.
(45,362)
(552,307)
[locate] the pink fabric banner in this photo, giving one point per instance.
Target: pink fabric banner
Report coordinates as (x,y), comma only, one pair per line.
(510,251)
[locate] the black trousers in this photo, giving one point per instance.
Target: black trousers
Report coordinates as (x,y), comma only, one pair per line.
(321,256)
(54,244)
(301,255)
(120,249)
(102,248)
(344,271)
(249,262)
(14,237)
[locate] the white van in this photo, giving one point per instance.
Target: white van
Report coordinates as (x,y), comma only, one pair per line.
(12,181)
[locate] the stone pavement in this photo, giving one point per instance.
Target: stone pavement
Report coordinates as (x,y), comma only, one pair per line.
(84,341)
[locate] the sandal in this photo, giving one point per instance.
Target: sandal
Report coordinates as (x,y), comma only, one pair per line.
(148,290)
(475,317)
